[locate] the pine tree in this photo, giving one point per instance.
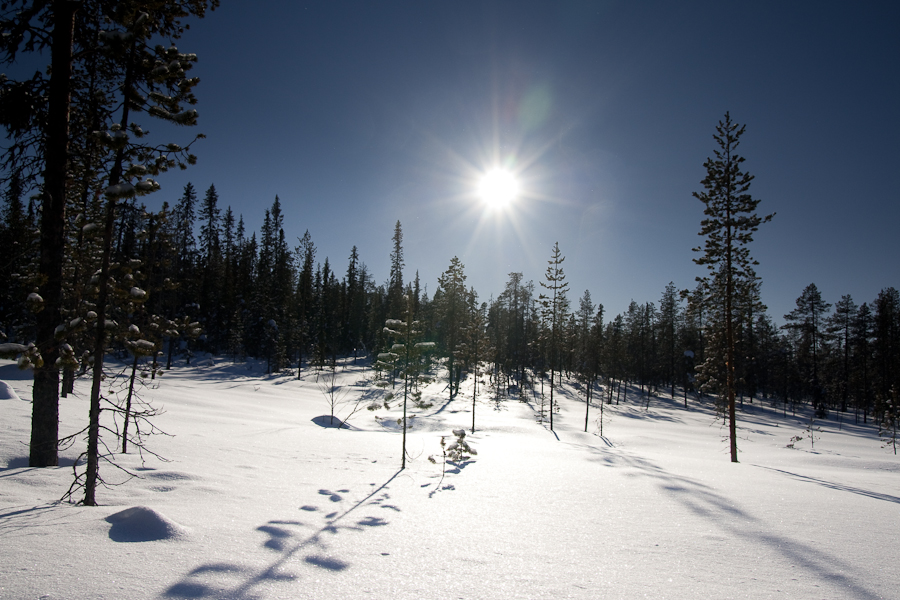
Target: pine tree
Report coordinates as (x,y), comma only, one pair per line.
(554,308)
(162,95)
(407,350)
(728,229)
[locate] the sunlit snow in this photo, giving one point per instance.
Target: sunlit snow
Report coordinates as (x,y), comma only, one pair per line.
(261,497)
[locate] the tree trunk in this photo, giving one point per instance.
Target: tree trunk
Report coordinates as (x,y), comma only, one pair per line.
(729,335)
(45,393)
(93,450)
(128,406)
(587,403)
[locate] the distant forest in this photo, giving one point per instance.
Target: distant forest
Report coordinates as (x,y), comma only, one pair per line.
(190,279)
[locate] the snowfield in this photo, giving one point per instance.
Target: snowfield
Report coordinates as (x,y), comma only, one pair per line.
(260,498)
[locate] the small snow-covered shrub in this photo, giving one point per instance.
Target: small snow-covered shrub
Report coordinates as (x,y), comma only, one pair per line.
(459,449)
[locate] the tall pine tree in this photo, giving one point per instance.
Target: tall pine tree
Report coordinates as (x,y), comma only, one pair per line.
(729,225)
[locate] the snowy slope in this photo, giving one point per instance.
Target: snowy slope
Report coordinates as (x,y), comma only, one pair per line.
(261,499)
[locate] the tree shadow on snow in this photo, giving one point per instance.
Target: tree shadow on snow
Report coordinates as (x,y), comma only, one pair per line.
(705,502)
(835,486)
(12,372)
(21,462)
(288,539)
(637,412)
(30,519)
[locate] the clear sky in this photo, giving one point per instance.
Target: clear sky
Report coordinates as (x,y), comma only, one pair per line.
(357,114)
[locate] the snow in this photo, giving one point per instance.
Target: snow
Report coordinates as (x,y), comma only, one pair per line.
(7,392)
(11,349)
(120,190)
(262,498)
(142,524)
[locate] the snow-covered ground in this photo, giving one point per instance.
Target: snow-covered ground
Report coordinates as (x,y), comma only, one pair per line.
(259,498)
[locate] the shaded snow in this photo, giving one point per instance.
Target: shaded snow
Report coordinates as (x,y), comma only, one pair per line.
(7,392)
(279,506)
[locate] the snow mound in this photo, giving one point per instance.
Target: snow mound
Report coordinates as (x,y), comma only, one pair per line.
(7,393)
(142,524)
(328,421)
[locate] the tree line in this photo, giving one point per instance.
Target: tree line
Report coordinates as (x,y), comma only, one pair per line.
(253,295)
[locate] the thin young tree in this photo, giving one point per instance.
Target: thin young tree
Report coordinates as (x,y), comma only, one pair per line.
(554,308)
(151,79)
(730,223)
(407,350)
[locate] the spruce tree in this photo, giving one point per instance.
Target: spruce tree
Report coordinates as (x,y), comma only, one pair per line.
(17,237)
(184,217)
(396,304)
(305,296)
(840,328)
(211,267)
(861,369)
(886,347)
(451,308)
(729,225)
(808,320)
(668,334)
(586,350)
(477,344)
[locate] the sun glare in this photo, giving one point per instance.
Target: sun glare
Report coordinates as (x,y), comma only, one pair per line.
(498,188)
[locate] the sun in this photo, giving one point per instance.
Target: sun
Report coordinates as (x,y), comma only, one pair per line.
(498,188)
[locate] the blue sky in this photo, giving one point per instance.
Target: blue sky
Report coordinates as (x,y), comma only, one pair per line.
(357,114)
